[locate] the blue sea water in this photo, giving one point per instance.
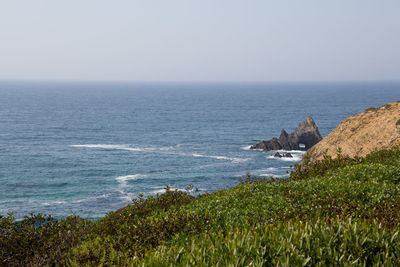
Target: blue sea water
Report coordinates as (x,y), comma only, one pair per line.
(87,148)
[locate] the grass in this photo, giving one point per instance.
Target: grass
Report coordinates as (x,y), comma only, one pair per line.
(340,211)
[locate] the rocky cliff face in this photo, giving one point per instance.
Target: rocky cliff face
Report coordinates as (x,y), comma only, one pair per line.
(306,133)
(374,129)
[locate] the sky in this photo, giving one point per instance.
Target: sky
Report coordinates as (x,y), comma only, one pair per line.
(207,40)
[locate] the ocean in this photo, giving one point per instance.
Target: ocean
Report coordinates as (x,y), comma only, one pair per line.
(87,148)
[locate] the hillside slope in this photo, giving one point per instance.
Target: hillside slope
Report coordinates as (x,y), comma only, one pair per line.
(359,135)
(346,212)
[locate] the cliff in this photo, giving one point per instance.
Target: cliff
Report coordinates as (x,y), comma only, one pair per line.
(374,129)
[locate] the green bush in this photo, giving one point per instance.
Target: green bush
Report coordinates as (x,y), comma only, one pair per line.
(370,109)
(307,169)
(38,239)
(320,242)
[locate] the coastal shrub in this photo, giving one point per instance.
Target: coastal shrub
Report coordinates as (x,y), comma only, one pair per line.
(386,106)
(370,109)
(248,179)
(398,122)
(319,242)
(364,191)
(39,239)
(130,231)
(135,239)
(98,252)
(142,207)
(307,169)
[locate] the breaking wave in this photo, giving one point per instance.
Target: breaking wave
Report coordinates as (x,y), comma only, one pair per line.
(233,159)
(118,147)
(295,158)
(124,179)
(89,199)
(126,147)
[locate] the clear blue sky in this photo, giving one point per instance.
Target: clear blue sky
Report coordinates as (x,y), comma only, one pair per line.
(207,40)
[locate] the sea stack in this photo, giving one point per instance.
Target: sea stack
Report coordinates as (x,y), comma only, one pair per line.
(305,136)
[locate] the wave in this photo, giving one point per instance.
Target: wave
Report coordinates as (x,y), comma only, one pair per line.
(233,159)
(161,191)
(106,146)
(126,147)
(53,203)
(168,148)
(263,172)
(268,175)
(295,158)
(291,151)
(153,149)
(126,197)
(88,199)
(266,170)
(280,151)
(158,191)
(124,179)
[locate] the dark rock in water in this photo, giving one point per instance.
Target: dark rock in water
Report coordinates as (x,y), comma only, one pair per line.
(307,133)
(305,136)
(272,144)
(284,140)
(285,155)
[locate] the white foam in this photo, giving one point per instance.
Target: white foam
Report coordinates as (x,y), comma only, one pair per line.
(169,147)
(271,169)
(295,158)
(152,149)
(53,203)
(126,147)
(88,199)
(233,159)
(161,191)
(129,177)
(127,197)
(263,172)
(291,151)
(158,191)
(246,148)
(107,146)
(268,175)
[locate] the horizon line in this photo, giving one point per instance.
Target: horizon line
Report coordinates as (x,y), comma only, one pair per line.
(192,81)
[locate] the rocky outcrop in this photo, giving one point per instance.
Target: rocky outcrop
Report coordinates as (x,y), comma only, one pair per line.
(306,133)
(359,135)
(283,155)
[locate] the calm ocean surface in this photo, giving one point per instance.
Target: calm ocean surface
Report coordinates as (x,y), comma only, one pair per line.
(88,148)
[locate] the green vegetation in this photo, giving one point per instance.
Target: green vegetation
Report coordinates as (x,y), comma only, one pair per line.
(371,109)
(387,106)
(293,243)
(340,211)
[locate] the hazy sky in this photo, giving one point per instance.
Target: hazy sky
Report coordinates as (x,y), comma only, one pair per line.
(207,40)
